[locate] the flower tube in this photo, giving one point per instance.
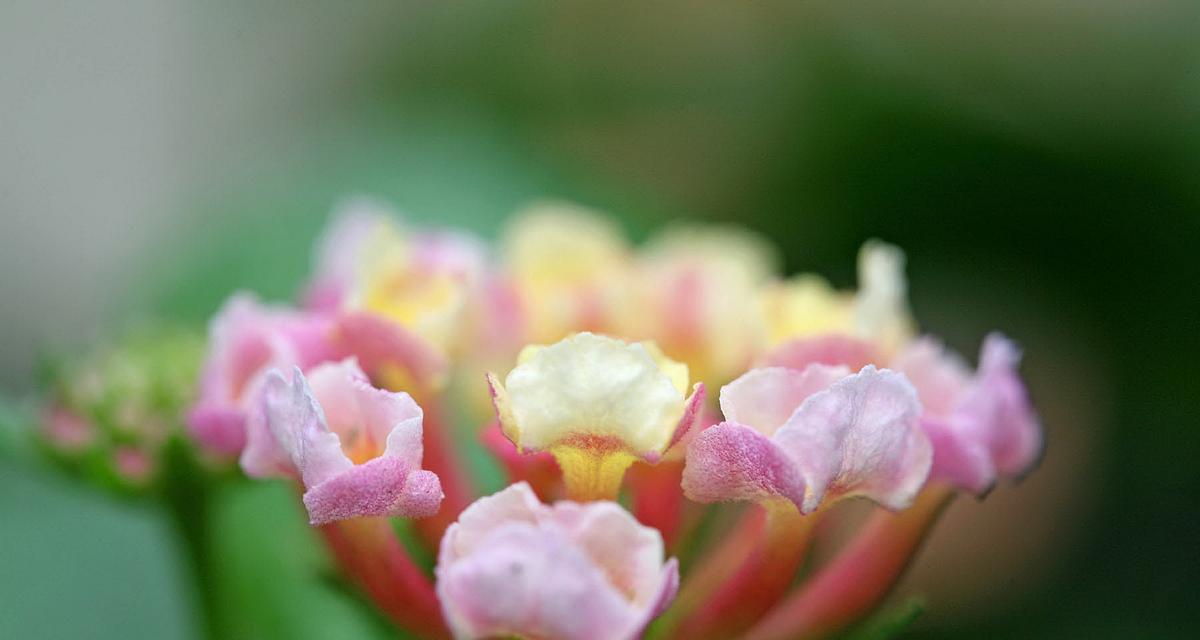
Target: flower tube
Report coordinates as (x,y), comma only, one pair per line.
(982,427)
(402,298)
(514,566)
(357,451)
(791,440)
(597,404)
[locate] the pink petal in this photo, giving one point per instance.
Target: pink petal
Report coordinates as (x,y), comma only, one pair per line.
(339,250)
(380,345)
(764,399)
(959,460)
(1015,440)
(693,410)
(515,503)
(385,486)
(939,375)
(295,419)
(513,566)
(246,339)
(831,349)
(860,437)
(731,461)
(221,429)
(630,554)
(532,582)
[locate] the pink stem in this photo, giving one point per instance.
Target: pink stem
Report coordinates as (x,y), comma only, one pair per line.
(859,577)
(768,567)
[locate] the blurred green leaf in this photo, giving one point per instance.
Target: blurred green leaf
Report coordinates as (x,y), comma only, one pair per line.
(889,623)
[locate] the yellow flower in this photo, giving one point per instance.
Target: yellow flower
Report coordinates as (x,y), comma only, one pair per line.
(807,305)
(695,296)
(569,266)
(421,281)
(597,404)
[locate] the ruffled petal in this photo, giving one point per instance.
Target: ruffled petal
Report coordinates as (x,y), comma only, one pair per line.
(764,399)
(531,582)
(830,349)
(385,486)
(514,566)
(860,437)
(731,462)
(999,396)
(392,356)
(590,385)
(296,421)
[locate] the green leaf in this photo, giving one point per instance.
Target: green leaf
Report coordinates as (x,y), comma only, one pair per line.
(888,623)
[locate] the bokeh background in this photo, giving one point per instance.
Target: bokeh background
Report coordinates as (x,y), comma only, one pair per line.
(1038,160)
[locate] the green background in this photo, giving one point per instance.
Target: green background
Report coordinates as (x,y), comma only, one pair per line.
(1037,161)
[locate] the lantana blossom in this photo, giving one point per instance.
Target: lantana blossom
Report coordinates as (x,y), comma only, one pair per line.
(569,268)
(981,423)
(803,435)
(685,281)
(597,404)
(357,449)
(807,305)
(246,339)
(514,566)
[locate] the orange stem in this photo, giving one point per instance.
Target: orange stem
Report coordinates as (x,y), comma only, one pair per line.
(857,580)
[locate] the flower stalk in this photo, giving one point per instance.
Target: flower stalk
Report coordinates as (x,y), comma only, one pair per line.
(858,579)
(370,555)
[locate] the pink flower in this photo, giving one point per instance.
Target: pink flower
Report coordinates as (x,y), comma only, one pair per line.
(805,435)
(514,566)
(246,339)
(67,431)
(356,448)
(982,425)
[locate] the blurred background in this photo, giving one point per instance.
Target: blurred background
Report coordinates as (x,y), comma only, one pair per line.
(1038,161)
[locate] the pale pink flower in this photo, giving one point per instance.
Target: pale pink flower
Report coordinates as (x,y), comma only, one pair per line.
(357,449)
(514,566)
(812,434)
(246,339)
(981,424)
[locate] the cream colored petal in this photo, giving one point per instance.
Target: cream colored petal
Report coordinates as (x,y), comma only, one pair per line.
(593,386)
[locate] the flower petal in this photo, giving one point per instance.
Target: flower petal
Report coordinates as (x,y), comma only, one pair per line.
(393,356)
(295,419)
(999,397)
(513,566)
(860,437)
(590,385)
(830,349)
(531,582)
(731,461)
(385,486)
(764,399)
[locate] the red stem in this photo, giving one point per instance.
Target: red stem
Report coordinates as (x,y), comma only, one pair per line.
(657,499)
(441,457)
(369,553)
(859,577)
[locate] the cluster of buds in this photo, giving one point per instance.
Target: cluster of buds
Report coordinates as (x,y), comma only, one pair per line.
(627,392)
(112,413)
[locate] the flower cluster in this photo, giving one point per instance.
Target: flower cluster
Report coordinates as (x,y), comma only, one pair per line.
(112,414)
(626,391)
